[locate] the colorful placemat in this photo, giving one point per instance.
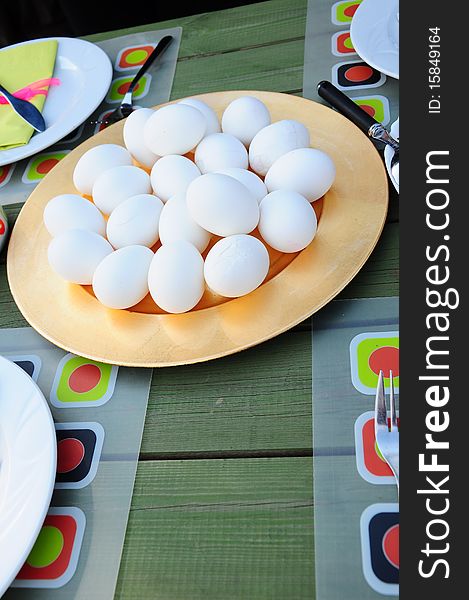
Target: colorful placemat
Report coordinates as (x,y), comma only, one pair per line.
(329,54)
(99,412)
(127,53)
(356,514)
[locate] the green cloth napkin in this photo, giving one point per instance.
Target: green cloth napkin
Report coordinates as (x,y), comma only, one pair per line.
(19,67)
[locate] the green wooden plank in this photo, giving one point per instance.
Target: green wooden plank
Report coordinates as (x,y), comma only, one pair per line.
(220,530)
(259,399)
(274,68)
(229,30)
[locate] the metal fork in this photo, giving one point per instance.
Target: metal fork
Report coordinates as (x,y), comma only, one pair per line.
(387,436)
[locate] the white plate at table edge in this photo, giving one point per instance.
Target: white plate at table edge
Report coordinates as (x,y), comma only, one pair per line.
(96,69)
(389,152)
(369,25)
(23,507)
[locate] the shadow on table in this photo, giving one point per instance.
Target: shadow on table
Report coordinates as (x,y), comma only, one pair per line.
(29,19)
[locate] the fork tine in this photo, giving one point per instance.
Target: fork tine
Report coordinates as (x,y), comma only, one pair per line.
(387,438)
(381,417)
(392,405)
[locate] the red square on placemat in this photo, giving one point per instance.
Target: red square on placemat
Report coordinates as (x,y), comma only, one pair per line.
(54,557)
(133,57)
(370,464)
(342,43)
(6,172)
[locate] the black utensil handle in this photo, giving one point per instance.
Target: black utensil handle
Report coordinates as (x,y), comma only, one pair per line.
(345,105)
(158,50)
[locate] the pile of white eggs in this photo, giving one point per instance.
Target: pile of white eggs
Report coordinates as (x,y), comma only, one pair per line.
(181,179)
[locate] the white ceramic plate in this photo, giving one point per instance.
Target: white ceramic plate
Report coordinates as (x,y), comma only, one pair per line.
(375,35)
(28,450)
(85,72)
(389,153)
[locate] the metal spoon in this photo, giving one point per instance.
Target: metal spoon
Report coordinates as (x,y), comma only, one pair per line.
(24,109)
(362,119)
(125,107)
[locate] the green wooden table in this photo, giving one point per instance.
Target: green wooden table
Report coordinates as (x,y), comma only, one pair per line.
(223,502)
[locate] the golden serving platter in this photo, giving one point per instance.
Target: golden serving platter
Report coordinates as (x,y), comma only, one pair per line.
(351,218)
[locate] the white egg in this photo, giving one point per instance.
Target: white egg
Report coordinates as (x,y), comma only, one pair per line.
(177,224)
(213,124)
(117,184)
(220,151)
(244,117)
(75,254)
(133,137)
(174,129)
(176,277)
(252,181)
(236,265)
(274,141)
(135,222)
(171,175)
(70,211)
(288,222)
(308,171)
(95,161)
(121,279)
(222,205)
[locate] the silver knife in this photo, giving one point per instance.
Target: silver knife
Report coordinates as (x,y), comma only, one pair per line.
(24,109)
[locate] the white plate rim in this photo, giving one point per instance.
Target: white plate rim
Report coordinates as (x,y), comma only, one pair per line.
(100,89)
(44,502)
(365,10)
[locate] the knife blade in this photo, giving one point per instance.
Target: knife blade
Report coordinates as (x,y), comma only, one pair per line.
(24,109)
